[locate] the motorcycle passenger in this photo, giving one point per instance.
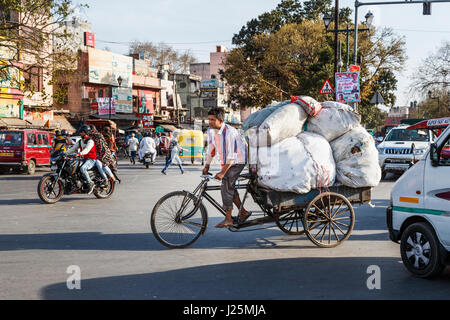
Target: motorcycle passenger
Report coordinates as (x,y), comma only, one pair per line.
(59,142)
(147,145)
(87,146)
(105,158)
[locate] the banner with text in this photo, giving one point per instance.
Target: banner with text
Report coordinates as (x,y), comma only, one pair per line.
(347,87)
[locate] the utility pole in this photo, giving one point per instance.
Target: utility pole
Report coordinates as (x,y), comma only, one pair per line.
(336,27)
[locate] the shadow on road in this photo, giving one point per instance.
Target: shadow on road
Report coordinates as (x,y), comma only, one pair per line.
(290,278)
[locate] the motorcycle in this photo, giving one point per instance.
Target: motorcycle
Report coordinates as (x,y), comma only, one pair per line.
(67,179)
(147,160)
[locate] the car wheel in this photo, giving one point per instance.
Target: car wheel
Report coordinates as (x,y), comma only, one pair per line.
(383,174)
(31,167)
(419,248)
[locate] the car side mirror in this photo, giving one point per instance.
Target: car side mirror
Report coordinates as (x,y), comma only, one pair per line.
(380,139)
(434,156)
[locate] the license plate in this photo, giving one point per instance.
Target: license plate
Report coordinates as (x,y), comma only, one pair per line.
(6,154)
(148,160)
(53,168)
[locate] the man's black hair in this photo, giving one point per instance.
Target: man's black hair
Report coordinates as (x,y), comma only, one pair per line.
(219,113)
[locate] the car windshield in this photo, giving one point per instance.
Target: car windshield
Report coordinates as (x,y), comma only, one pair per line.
(10,138)
(407,135)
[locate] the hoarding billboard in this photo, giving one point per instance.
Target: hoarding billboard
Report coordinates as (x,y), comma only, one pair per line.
(347,87)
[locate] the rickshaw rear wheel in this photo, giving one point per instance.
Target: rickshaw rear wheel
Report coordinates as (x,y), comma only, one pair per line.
(291,222)
(329,219)
(176,221)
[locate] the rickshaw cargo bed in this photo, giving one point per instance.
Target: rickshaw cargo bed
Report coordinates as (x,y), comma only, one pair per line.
(287,201)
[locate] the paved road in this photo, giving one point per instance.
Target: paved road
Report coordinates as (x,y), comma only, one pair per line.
(119,258)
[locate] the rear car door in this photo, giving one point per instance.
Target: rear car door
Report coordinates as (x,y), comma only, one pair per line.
(45,147)
(437,190)
(32,147)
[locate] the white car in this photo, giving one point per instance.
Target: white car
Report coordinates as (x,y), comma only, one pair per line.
(419,214)
(402,148)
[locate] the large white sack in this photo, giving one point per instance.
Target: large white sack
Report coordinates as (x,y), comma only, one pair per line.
(296,164)
(356,159)
(285,122)
(334,120)
(256,118)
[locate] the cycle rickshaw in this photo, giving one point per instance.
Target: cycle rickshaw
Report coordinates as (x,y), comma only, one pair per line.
(326,216)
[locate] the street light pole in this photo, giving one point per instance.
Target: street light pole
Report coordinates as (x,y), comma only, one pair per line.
(336,34)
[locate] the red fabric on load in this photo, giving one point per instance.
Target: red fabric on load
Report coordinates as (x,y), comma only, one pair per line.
(311,106)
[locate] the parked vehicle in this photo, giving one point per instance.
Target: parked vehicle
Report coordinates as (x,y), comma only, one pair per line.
(24,149)
(192,145)
(419,213)
(67,179)
(402,148)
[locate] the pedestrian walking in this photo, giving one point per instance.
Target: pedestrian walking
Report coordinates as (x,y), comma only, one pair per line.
(133,144)
(172,154)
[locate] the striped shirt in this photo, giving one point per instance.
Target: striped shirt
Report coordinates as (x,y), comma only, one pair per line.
(228,144)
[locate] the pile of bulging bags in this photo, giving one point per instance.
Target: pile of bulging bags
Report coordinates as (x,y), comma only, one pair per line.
(302,144)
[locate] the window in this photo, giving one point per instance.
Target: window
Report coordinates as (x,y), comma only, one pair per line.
(10,138)
(31,139)
(444,159)
(39,139)
(34,78)
(43,139)
(182,85)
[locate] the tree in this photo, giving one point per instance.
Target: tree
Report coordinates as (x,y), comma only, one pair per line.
(163,54)
(432,77)
(275,59)
(32,40)
(434,72)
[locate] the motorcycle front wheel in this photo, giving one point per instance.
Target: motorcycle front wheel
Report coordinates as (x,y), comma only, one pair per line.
(49,190)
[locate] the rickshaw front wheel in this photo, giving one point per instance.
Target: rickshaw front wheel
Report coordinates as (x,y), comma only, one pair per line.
(177,221)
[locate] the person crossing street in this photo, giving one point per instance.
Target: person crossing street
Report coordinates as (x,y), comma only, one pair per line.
(133,145)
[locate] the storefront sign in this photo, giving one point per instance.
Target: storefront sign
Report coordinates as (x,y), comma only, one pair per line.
(208,92)
(147,119)
(38,115)
(347,87)
(124,99)
(106,67)
(89,39)
(10,108)
(105,107)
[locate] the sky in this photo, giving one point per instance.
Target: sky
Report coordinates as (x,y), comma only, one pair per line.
(200,25)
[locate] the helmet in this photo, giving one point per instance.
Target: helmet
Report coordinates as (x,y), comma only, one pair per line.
(57,132)
(64,132)
(86,129)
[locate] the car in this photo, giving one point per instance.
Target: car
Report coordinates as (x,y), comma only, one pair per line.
(402,148)
(24,149)
(418,216)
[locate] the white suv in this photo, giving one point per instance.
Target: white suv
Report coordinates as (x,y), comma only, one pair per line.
(402,148)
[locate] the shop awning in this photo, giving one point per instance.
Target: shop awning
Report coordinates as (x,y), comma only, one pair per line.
(14,123)
(169,127)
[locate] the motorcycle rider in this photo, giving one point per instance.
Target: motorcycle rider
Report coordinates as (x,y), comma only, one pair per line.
(87,146)
(147,145)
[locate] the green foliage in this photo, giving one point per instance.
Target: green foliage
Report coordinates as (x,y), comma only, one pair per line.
(287,52)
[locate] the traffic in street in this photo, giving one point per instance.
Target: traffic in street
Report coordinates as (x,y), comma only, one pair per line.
(118,257)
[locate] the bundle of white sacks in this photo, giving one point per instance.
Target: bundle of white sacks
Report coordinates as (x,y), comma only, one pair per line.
(303,145)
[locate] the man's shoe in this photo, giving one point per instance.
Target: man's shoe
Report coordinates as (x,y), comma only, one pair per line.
(91,187)
(163,172)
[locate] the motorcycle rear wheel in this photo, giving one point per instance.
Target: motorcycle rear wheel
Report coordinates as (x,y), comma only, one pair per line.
(105,193)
